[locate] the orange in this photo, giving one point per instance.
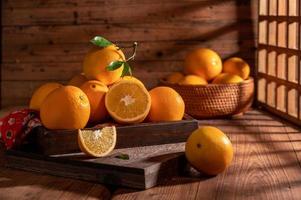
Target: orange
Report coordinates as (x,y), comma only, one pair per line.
(193,80)
(174,77)
(40,94)
(66,107)
(225,78)
(97,143)
(237,66)
(96,62)
(128,102)
(132,78)
(209,150)
(203,62)
(167,105)
(78,80)
(96,91)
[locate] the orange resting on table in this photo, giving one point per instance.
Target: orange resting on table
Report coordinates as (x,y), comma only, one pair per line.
(209,150)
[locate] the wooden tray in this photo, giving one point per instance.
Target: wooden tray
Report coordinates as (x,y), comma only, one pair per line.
(146,167)
(50,142)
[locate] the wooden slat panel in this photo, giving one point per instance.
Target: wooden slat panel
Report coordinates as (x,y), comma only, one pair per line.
(194,11)
(126,32)
(279,49)
(278,18)
(289,84)
(146,51)
(9,4)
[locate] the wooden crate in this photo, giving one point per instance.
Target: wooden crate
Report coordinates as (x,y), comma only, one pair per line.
(279,53)
(144,134)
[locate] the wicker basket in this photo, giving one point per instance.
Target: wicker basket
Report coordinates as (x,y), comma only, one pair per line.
(215,100)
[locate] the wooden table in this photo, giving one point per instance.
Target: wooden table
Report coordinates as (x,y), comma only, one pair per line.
(266,166)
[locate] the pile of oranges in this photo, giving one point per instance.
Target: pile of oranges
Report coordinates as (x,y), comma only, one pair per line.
(97,94)
(204,66)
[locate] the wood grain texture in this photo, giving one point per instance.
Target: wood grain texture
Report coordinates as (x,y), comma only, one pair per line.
(145,168)
(24,185)
(266,165)
(47,40)
(51,142)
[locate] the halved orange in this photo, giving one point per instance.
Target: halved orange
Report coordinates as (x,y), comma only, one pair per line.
(128,102)
(97,143)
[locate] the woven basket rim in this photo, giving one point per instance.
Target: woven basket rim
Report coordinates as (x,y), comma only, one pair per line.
(247,81)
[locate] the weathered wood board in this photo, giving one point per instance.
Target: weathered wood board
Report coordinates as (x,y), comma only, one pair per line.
(52,142)
(145,168)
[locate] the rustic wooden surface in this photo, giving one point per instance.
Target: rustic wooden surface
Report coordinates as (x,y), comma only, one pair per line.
(146,166)
(51,142)
(47,40)
(266,166)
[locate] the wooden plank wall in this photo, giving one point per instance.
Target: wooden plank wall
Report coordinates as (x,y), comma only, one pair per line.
(46,40)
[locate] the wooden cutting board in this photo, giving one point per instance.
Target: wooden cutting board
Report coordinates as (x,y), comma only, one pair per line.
(50,142)
(146,167)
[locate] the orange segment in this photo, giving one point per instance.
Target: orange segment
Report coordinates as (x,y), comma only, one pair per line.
(128,102)
(97,143)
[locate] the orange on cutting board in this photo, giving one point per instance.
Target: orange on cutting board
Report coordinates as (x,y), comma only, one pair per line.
(167,105)
(67,107)
(128,102)
(96,91)
(40,94)
(97,143)
(203,62)
(96,62)
(193,80)
(209,150)
(174,77)
(237,66)
(225,78)
(78,80)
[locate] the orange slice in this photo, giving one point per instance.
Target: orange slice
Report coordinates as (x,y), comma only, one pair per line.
(97,143)
(128,102)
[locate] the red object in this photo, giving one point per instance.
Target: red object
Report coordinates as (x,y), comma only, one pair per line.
(15,126)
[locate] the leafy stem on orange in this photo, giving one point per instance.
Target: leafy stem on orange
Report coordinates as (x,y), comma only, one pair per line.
(102,42)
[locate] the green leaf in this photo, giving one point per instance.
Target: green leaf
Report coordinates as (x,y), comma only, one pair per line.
(115,65)
(100,41)
(126,70)
(123,156)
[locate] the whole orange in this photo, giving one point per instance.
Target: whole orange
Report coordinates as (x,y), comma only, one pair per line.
(167,105)
(40,94)
(226,78)
(96,62)
(193,80)
(174,77)
(203,62)
(78,80)
(67,107)
(237,66)
(209,150)
(96,91)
